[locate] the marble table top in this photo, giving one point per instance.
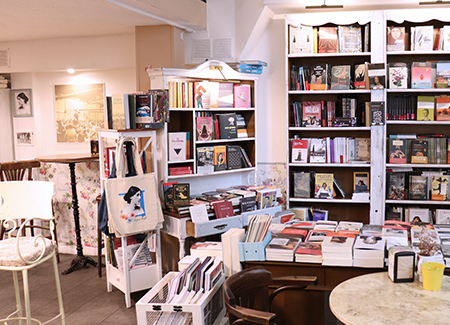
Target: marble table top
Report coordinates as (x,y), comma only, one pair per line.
(373,299)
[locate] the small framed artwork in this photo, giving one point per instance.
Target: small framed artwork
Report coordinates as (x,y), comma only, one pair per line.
(21,103)
(24,138)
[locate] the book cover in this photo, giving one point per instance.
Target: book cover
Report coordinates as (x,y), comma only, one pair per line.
(220,158)
(309,252)
(318,77)
(226,95)
(421,76)
(227,126)
(177,146)
(395,39)
(397,151)
(360,81)
(213,94)
(362,149)
(202,98)
(442,108)
(242,96)
(377,82)
(439,187)
(442,74)
(418,187)
(377,115)
(205,160)
(299,150)
(328,40)
(300,39)
(204,128)
(323,188)
(361,182)
(423,38)
(119,105)
(144,110)
(442,217)
(317,150)
(223,209)
(248,204)
(350,39)
(425,108)
(396,182)
(419,151)
(340,77)
(302,184)
(311,114)
(181,194)
(398,75)
(234,160)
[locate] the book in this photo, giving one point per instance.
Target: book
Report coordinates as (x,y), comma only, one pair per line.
(317,150)
(299,150)
(425,108)
(205,160)
(418,215)
(398,75)
(302,184)
(419,151)
(319,215)
(396,182)
(282,247)
(418,187)
(340,77)
(318,77)
(377,115)
(227,126)
(397,151)
(311,114)
(248,204)
(439,187)
(421,76)
(442,74)
(177,146)
(350,39)
(308,252)
(377,82)
(361,182)
(143,110)
(181,194)
(223,209)
(220,158)
(226,95)
(423,38)
(442,217)
(328,40)
(242,97)
(361,76)
(395,39)
(300,39)
(323,188)
(442,108)
(202,96)
(120,111)
(234,159)
(362,149)
(204,128)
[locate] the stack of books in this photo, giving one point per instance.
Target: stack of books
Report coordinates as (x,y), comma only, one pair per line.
(369,251)
(337,249)
(283,244)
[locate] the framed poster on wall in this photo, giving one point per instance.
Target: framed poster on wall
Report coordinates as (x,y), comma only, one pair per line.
(21,103)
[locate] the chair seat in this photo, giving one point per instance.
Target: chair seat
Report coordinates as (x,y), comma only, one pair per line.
(30,252)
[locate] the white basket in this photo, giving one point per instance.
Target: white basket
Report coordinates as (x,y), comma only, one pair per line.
(152,308)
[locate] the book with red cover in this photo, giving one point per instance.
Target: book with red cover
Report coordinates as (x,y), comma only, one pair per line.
(299,150)
(295,232)
(311,115)
(443,108)
(328,40)
(223,209)
(204,128)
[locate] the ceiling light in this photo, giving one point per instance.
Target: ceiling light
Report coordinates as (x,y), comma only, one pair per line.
(325,6)
(70,70)
(438,2)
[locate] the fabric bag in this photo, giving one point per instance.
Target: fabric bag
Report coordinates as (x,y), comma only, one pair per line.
(132,202)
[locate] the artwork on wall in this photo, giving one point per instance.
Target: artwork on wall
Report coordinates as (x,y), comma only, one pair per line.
(80,110)
(24,138)
(21,103)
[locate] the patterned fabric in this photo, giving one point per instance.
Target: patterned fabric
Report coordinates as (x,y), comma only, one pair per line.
(88,187)
(10,257)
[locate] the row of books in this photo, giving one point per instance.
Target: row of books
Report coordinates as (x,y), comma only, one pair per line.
(138,111)
(137,252)
(337,39)
(325,186)
(419,75)
(220,126)
(249,66)
(408,214)
(222,157)
(330,150)
(208,94)
(427,185)
(422,149)
(420,108)
(422,38)
(5,81)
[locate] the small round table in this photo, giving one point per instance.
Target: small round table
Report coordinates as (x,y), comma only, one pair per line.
(373,299)
(80,261)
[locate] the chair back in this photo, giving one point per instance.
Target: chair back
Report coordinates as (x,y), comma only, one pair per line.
(18,170)
(24,200)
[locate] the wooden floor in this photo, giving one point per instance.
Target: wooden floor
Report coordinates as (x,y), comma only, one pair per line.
(85,298)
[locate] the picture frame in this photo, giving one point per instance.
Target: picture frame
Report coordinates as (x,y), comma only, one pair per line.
(25,138)
(21,102)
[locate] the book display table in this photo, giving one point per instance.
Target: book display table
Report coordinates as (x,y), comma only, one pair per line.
(375,299)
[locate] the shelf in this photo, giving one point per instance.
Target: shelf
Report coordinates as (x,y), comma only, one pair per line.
(225,140)
(418,165)
(418,202)
(330,165)
(329,92)
(418,53)
(409,122)
(325,55)
(181,162)
(339,129)
(419,90)
(230,171)
(224,109)
(312,200)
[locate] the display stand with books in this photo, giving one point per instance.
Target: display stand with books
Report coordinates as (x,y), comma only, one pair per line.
(130,279)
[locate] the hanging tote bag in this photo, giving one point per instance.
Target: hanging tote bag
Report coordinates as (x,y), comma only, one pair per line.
(132,202)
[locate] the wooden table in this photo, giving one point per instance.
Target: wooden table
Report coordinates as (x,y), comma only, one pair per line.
(80,261)
(374,299)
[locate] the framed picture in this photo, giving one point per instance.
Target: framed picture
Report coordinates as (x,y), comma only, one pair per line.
(21,103)
(25,138)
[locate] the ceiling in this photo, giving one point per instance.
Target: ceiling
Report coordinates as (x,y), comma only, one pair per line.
(40,19)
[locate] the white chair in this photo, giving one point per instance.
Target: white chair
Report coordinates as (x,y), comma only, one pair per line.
(28,201)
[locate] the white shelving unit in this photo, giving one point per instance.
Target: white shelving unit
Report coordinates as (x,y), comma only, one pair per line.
(132,280)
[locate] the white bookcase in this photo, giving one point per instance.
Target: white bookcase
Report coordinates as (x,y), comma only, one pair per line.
(131,280)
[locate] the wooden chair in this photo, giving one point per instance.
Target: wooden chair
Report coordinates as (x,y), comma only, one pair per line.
(249,294)
(22,171)
(26,201)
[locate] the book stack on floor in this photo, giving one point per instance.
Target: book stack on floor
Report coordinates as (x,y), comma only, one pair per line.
(283,244)
(337,249)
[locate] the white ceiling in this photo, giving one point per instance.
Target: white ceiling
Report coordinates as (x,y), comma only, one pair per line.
(41,19)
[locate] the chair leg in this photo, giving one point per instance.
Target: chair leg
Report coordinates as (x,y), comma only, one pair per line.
(17,293)
(26,294)
(58,290)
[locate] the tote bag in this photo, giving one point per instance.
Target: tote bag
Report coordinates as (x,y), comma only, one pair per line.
(132,202)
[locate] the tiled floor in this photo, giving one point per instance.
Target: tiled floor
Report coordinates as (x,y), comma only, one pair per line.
(86,301)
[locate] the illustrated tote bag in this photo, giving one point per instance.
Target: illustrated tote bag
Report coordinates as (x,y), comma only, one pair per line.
(132,202)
